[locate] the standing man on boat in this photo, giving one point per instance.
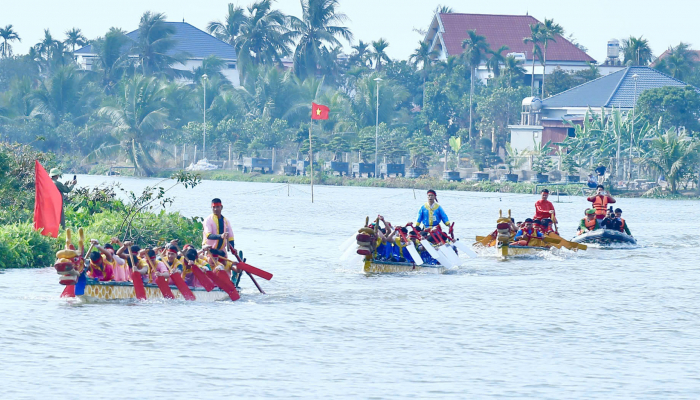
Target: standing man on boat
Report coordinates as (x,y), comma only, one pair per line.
(600,201)
(544,209)
(431,213)
(217,229)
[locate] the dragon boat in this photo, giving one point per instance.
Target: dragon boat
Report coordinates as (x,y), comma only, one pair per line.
(605,237)
(442,256)
(72,267)
(502,240)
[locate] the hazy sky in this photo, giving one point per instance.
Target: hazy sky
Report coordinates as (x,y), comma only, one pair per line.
(592,22)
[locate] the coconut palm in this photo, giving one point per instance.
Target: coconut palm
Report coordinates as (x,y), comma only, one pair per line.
(673,154)
(316,29)
(475,49)
(424,56)
(155,44)
(8,34)
(361,54)
(229,29)
(535,38)
(549,33)
(513,70)
(379,53)
(364,100)
(65,92)
(47,47)
(135,118)
(440,9)
(494,62)
(75,37)
(636,51)
(680,61)
(112,57)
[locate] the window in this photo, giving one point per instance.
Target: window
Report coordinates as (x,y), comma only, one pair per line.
(571,132)
(232,66)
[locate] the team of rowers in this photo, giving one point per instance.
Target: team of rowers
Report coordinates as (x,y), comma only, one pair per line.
(108,264)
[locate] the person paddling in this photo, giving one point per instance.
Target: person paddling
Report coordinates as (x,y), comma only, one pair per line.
(217,229)
(431,213)
(600,201)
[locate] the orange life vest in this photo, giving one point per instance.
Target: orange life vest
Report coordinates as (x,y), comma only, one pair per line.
(590,223)
(600,204)
(622,225)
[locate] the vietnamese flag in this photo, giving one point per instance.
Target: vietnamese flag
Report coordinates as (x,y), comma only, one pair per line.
(48,203)
(319,111)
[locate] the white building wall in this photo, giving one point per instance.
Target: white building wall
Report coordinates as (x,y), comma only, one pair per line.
(523,137)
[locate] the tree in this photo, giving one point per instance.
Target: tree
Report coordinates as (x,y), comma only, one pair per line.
(535,38)
(679,62)
(378,53)
(154,45)
(75,37)
(549,33)
(424,56)
(135,119)
(65,93)
(112,57)
(8,34)
(361,55)
(671,106)
(636,51)
(673,154)
(513,71)
(475,48)
(316,29)
(496,59)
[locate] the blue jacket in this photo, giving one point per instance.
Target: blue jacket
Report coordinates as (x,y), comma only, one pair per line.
(431,216)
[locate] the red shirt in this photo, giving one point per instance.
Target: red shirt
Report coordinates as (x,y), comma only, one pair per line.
(542,208)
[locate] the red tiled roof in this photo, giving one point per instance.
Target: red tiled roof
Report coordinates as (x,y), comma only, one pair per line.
(506,30)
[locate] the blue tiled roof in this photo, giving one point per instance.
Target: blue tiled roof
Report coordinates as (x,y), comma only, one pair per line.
(613,90)
(189,40)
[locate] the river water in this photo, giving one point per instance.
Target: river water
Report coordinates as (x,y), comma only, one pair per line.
(603,323)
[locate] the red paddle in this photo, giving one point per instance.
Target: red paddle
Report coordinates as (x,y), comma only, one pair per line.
(221,283)
(182,286)
(164,287)
(238,265)
(202,278)
(69,291)
(252,270)
(139,289)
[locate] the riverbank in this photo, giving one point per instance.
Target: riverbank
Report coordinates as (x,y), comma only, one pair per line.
(426,183)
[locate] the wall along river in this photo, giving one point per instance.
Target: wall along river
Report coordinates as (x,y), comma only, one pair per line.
(595,324)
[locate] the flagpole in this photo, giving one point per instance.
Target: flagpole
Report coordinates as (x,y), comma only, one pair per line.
(311,159)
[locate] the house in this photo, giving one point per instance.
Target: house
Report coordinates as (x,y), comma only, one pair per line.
(189,40)
(447,31)
(545,120)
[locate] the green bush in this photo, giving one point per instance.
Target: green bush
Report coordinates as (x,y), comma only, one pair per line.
(23,247)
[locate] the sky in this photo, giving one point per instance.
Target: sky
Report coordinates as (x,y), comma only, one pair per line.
(592,22)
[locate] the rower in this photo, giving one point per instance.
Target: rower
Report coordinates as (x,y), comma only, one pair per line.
(600,201)
(526,234)
(172,260)
(590,223)
(101,263)
(623,224)
(543,207)
(431,213)
(153,267)
(217,229)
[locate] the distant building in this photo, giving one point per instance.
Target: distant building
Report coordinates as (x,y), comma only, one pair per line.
(189,40)
(447,31)
(545,120)
(667,53)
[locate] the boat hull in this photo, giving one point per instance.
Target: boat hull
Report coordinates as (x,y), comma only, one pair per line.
(605,237)
(379,267)
(99,291)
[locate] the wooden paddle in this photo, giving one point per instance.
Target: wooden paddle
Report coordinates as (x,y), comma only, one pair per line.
(182,286)
(139,288)
(224,284)
(202,277)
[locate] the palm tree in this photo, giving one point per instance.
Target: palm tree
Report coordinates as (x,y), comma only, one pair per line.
(424,56)
(230,28)
(65,92)
(673,154)
(112,57)
(636,51)
(211,66)
(8,34)
(535,38)
(679,62)
(74,37)
(47,47)
(379,53)
(154,44)
(315,30)
(361,55)
(512,68)
(550,31)
(496,59)
(475,49)
(440,9)
(135,118)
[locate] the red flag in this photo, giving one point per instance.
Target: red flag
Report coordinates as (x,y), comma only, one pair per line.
(319,112)
(48,203)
